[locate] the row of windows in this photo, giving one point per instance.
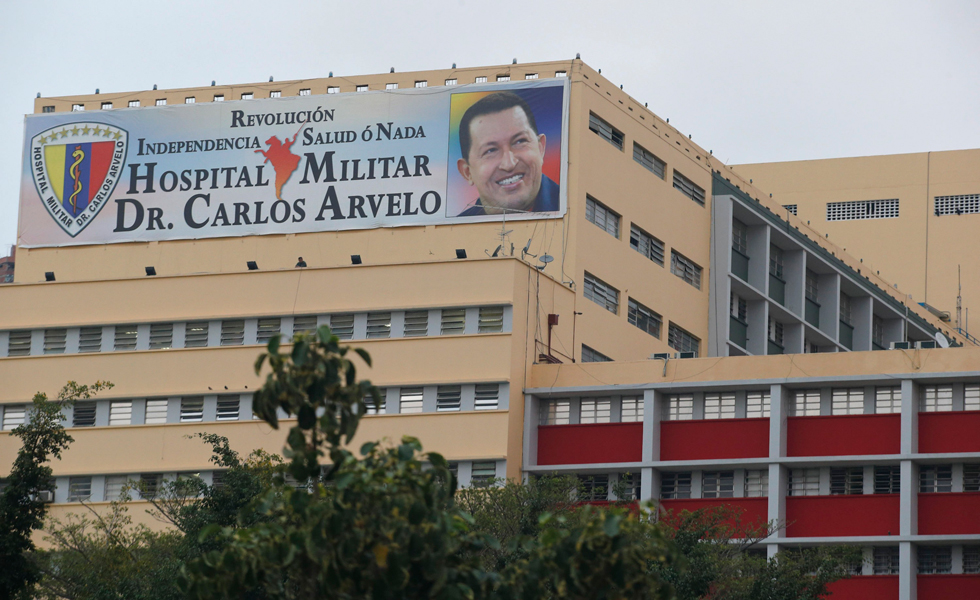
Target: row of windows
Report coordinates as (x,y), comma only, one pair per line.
(302,92)
(416,323)
(638,315)
(647,159)
(716,405)
(441,398)
(862,209)
(961,204)
(628,409)
(714,484)
(844,481)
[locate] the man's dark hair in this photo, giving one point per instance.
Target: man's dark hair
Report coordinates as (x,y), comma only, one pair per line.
(488,105)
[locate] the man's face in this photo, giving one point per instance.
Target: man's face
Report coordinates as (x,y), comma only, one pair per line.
(505,160)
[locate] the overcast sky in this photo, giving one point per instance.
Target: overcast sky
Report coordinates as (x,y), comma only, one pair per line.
(753,81)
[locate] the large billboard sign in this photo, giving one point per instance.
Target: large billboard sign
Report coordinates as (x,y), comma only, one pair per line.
(425,156)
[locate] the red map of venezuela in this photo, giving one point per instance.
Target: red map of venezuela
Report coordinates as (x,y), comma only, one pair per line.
(283,161)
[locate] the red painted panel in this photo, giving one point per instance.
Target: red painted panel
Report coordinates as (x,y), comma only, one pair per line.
(821,516)
(714,438)
(948,587)
(841,435)
(754,511)
(865,587)
(941,514)
(949,431)
(581,444)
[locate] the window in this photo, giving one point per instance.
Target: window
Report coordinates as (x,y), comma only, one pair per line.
(685,268)
(740,237)
(935,478)
(629,487)
(422,83)
(971,478)
(649,161)
(196,334)
(362,88)
(848,480)
(150,485)
(756,483)
(192,409)
(791,208)
(812,285)
(381,408)
(718,484)
(957,205)
(483,473)
(106,105)
(379,325)
(19,343)
(595,410)
(738,307)
(79,489)
(189,100)
(480,79)
(561,74)
(228,408)
(14,415)
(114,485)
(83,414)
(267,329)
(757,405)
(601,293)
(491,319)
(971,560)
(125,337)
(503,77)
(453,321)
(247,96)
(275,94)
(936,398)
(681,340)
(305,324)
(134,104)
(675,485)
(719,405)
(862,209)
(888,480)
(452,81)
(885,560)
(593,488)
(306,92)
(776,261)
(599,214)
(848,401)
(530,76)
(553,412)
(416,323)
(487,396)
(161,102)
(807,403)
(391,86)
(342,326)
(590,355)
(888,400)
(121,412)
(631,410)
(935,559)
(643,318)
(606,131)
(448,398)
(845,309)
(410,400)
(50,109)
(804,482)
(647,245)
(775,332)
(90,339)
(688,188)
(233,332)
(219,97)
(77,107)
(54,341)
(971,397)
(333,89)
(156,412)
(679,407)
(161,336)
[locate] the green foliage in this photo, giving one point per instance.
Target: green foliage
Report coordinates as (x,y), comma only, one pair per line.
(21,511)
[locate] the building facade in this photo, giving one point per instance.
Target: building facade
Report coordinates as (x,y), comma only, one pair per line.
(478,330)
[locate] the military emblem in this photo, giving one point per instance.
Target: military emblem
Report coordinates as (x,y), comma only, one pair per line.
(75,169)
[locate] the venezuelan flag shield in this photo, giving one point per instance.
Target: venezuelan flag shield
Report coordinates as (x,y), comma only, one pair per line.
(77,171)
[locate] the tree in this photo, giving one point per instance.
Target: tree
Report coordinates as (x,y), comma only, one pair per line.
(21,507)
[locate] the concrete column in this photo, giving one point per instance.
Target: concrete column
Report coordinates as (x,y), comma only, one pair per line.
(652,411)
(214,333)
(211,408)
(869,480)
(397,323)
(37,342)
(697,412)
(646,484)
(102,414)
(779,410)
(910,418)
(360,326)
(503,399)
(472,326)
(957,562)
(139,411)
(429,398)
(71,341)
(4,343)
(909,499)
(143,336)
(251,332)
(907,568)
(464,473)
(530,443)
(108,338)
(739,483)
(180,331)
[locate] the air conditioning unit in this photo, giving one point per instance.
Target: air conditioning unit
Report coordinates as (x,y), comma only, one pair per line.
(685,355)
(900,346)
(45,496)
(660,356)
(924,345)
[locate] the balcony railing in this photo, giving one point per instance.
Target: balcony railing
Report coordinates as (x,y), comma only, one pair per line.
(812,313)
(738,332)
(847,335)
(740,265)
(777,289)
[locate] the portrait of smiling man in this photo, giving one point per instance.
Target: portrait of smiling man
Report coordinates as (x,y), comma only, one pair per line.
(502,155)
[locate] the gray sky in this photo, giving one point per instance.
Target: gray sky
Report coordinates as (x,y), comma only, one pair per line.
(754,81)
